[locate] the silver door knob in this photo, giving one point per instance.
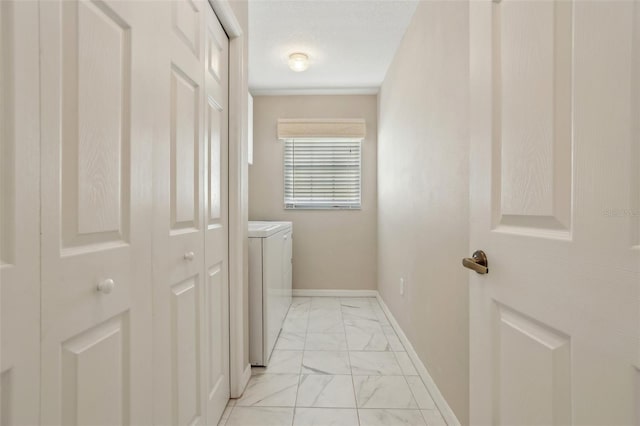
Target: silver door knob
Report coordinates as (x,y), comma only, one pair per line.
(477,262)
(189,256)
(106,286)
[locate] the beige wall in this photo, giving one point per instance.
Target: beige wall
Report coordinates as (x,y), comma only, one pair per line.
(332,249)
(423,193)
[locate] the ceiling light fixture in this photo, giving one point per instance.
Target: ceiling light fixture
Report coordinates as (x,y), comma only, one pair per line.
(298,62)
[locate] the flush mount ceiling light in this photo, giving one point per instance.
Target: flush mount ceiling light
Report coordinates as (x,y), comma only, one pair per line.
(298,62)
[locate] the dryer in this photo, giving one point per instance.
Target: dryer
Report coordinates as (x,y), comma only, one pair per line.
(270,285)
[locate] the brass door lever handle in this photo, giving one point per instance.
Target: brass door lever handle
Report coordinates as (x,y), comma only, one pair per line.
(478,262)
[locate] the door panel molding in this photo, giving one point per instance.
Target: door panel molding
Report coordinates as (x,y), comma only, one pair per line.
(532,112)
(185,330)
(100,351)
(546,353)
(95,155)
(185,151)
(186,18)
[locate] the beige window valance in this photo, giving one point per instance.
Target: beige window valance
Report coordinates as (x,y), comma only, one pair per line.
(294,128)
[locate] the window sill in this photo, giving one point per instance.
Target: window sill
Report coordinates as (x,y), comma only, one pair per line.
(323,208)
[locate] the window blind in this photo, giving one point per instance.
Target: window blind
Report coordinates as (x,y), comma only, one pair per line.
(322,173)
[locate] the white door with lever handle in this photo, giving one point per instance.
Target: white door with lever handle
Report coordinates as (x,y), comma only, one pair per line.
(555,190)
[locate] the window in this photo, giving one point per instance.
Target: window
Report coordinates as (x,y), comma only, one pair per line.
(322,173)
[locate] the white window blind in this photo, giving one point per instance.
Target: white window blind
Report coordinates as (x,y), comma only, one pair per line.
(322,173)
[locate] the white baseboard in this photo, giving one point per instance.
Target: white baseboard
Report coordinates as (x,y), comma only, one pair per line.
(300,292)
(441,403)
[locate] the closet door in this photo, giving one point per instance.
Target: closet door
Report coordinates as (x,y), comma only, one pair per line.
(19,210)
(178,248)
(98,112)
(216,285)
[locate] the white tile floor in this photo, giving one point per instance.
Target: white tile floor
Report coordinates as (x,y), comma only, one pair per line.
(337,362)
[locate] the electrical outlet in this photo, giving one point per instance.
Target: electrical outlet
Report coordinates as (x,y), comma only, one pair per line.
(401,286)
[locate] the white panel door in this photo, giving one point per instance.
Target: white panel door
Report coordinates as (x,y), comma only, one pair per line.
(98,116)
(555,200)
(19,214)
(178,247)
(216,222)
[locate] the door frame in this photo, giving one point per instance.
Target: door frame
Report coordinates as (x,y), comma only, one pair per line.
(240,369)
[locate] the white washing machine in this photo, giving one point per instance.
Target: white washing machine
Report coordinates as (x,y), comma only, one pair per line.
(270,285)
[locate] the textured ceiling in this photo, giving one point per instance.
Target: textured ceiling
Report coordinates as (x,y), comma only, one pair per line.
(350,43)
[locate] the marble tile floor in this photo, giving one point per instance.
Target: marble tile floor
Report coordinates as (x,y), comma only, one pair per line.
(337,362)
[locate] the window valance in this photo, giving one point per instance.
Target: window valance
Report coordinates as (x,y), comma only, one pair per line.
(294,128)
